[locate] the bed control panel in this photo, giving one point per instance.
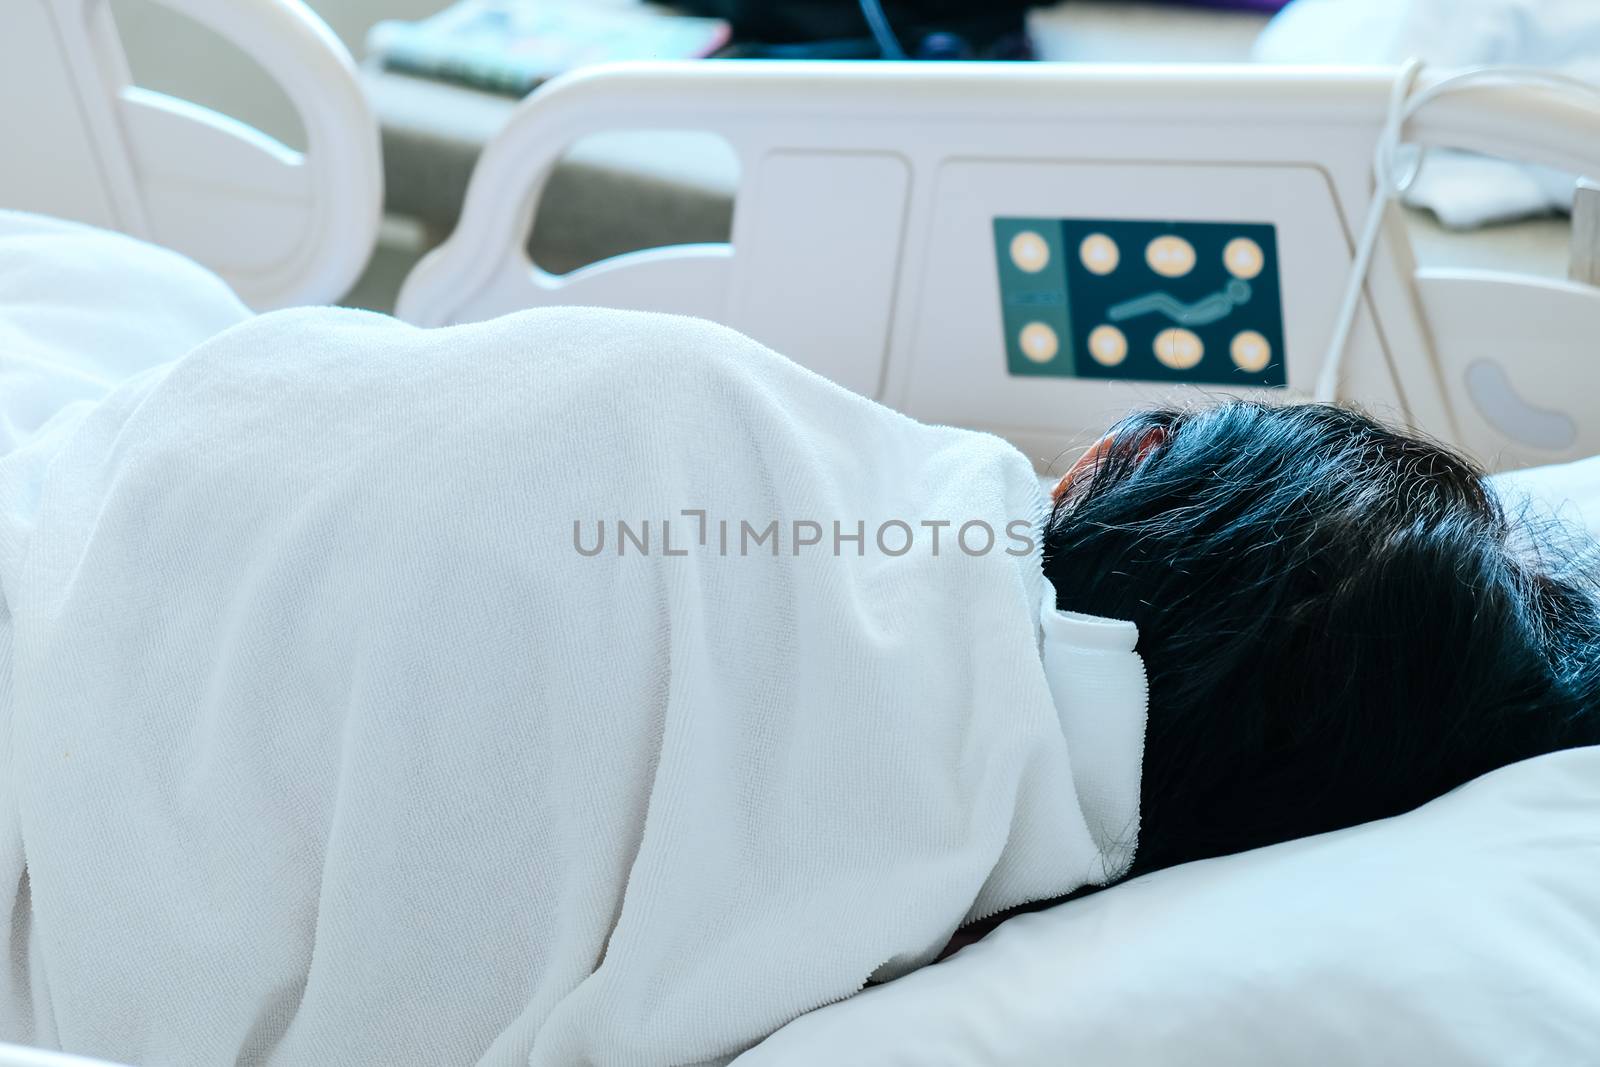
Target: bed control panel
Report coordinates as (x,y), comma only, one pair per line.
(1196,303)
(1061,293)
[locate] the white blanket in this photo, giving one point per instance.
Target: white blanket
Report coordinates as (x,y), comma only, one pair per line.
(324,743)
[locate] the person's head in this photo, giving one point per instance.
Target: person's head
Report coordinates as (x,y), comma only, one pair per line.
(1339,620)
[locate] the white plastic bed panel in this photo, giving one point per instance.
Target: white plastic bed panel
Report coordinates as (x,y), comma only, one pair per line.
(834,248)
(1520,361)
(944,384)
(875,202)
(82,142)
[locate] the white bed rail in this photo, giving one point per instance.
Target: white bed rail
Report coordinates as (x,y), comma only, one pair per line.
(81,141)
(860,244)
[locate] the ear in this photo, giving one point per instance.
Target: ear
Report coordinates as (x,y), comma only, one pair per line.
(1086,463)
(1152,439)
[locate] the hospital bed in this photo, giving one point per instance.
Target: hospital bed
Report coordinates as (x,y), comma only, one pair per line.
(878,208)
(1030,251)
(876,221)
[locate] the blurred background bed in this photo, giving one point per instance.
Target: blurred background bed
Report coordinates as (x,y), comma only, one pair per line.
(621,192)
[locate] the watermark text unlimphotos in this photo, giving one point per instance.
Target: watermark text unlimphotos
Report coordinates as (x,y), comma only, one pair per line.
(695,530)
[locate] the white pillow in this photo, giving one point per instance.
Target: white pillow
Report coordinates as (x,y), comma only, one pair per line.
(1466,932)
(1569,492)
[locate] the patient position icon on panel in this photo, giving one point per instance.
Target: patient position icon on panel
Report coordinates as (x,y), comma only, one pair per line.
(1159,300)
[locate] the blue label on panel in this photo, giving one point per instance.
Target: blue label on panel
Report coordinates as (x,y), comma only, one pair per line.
(1163,301)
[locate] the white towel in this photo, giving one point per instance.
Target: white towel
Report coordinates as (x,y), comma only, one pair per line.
(1462,189)
(325,744)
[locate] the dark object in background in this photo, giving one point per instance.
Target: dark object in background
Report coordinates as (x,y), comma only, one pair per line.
(841,29)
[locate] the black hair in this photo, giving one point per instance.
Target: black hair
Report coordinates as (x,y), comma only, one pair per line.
(1339,621)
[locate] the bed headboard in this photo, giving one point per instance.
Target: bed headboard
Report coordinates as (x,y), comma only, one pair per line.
(1033,249)
(82,142)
